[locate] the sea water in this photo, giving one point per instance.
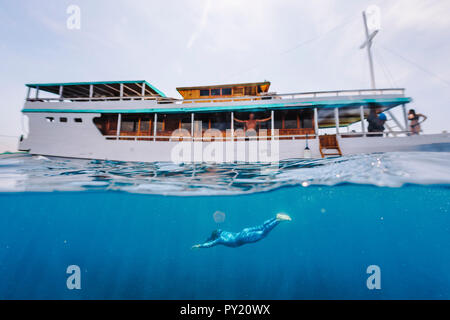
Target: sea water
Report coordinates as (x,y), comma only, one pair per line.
(129,227)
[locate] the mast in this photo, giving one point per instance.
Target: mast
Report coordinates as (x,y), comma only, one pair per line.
(368,44)
(374,16)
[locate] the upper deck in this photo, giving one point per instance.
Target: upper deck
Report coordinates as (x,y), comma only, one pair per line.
(140,96)
(81,91)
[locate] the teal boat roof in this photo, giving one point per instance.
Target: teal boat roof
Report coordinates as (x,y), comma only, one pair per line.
(100,88)
(383,104)
(347,101)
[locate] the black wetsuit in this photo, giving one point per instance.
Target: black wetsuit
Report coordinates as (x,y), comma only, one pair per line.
(375,124)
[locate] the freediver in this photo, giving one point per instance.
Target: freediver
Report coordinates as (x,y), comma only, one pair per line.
(247,235)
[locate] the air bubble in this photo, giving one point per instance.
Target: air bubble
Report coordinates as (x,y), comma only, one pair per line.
(219,216)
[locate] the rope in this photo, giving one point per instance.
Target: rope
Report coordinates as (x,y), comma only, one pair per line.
(379,61)
(418,66)
(345,22)
(8,136)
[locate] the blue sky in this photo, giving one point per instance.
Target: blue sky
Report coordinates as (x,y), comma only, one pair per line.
(297,45)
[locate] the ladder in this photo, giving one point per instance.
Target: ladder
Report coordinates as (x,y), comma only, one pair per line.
(329,146)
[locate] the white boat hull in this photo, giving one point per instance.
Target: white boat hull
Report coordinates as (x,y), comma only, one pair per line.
(84,140)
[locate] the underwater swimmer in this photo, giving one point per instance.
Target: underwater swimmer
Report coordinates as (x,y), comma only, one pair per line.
(247,235)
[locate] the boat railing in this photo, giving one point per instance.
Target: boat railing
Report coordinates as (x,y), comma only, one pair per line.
(343,93)
(88,99)
(209,139)
(386,134)
(300,95)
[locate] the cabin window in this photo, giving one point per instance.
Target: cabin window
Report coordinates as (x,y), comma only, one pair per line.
(186,122)
(215,92)
(260,89)
(278,121)
(204,92)
(49,119)
(349,117)
(218,120)
(137,125)
(326,118)
(221,121)
(286,119)
(306,119)
(160,124)
(172,122)
(205,122)
(290,120)
(127,126)
(145,126)
(250,91)
(78,120)
(129,123)
(107,124)
(140,124)
(62,119)
(226,91)
(294,119)
(238,91)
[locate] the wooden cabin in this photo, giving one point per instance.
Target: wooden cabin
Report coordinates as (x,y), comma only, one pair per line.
(224,90)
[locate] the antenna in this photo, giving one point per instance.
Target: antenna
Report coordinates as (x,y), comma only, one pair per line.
(374,24)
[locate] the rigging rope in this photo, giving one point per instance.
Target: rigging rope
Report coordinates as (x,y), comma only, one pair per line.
(418,66)
(345,22)
(8,136)
(379,61)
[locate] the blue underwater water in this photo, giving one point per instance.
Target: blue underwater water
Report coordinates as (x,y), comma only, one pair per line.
(130,228)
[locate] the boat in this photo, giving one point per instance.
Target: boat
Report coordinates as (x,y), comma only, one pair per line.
(240,122)
(134,121)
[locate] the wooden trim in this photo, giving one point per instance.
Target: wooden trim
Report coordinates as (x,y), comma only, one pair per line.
(132,90)
(225,85)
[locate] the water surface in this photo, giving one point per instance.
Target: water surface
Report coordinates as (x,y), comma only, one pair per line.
(130,226)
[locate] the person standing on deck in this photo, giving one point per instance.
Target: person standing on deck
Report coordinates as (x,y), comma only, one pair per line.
(376,123)
(250,124)
(414,118)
